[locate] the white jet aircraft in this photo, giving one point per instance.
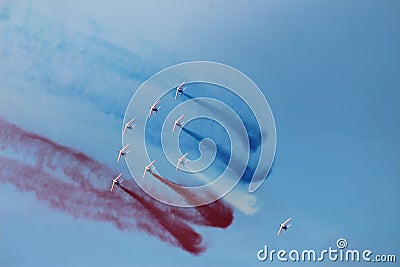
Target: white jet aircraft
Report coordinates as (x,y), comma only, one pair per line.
(182,160)
(179,89)
(178,123)
(149,168)
(116,182)
(122,152)
(154,108)
(284,225)
(128,125)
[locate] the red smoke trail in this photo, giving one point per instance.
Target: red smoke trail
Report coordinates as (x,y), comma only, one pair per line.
(216,214)
(190,240)
(70,181)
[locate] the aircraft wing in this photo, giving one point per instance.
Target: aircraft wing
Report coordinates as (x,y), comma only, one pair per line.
(179,119)
(112,187)
(180,160)
(288,220)
(155,104)
(144,174)
(126,127)
(177,165)
(280,230)
(180,86)
(116,179)
(176,93)
(184,156)
(125,147)
(119,156)
(174,127)
(151,164)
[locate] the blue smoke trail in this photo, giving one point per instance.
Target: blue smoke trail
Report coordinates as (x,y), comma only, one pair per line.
(253,133)
(222,155)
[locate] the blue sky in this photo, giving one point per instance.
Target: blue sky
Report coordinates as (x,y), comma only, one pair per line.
(329,70)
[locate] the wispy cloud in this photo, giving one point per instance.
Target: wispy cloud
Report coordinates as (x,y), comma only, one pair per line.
(40,53)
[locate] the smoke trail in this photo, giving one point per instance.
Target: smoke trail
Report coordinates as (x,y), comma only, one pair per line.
(70,181)
(69,197)
(237,197)
(254,137)
(216,214)
(222,154)
(189,239)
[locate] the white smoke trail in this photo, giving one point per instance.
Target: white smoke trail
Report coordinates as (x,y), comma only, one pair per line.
(239,197)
